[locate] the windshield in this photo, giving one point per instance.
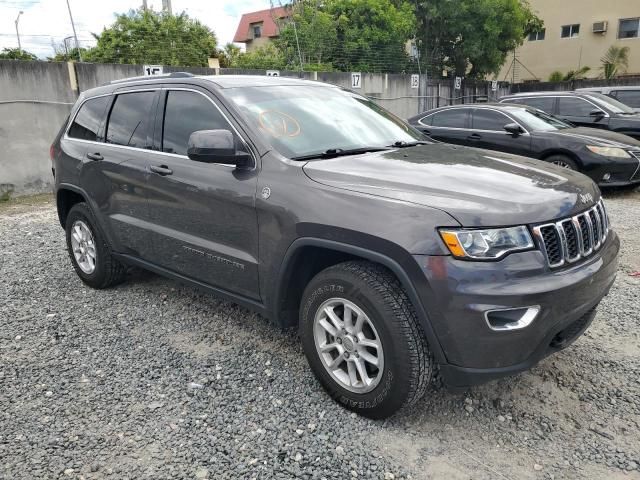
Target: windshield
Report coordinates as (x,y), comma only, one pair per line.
(537,120)
(306,120)
(612,104)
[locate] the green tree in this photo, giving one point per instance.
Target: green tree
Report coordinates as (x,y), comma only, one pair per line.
(576,74)
(262,58)
(229,55)
(615,60)
(72,54)
(472,37)
(16,54)
(556,76)
(144,36)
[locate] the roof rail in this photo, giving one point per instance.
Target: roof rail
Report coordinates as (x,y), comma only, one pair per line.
(165,75)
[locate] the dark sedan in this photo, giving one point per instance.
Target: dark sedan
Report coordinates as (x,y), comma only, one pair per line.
(585,109)
(609,158)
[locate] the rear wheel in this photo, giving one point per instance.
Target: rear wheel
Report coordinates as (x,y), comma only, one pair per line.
(562,161)
(362,339)
(90,255)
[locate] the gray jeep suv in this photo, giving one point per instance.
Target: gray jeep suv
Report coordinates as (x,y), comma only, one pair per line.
(393,256)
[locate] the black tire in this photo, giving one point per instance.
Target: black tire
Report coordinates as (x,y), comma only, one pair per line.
(563,161)
(108,271)
(408,363)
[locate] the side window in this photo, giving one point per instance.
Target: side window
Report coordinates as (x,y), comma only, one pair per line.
(545,103)
(185,113)
(574,107)
(87,122)
(130,119)
(454,118)
(629,97)
(484,119)
(426,120)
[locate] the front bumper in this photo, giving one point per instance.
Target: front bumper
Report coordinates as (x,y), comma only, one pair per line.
(463,291)
(621,171)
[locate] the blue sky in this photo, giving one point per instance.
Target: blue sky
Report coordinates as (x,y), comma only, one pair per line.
(44,21)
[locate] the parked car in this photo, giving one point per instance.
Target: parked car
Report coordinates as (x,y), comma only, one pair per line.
(583,109)
(628,95)
(320,210)
(609,158)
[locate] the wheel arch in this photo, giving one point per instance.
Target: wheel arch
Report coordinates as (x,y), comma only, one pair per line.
(66,197)
(296,271)
(561,151)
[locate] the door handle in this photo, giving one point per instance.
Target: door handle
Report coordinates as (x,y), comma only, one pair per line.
(474,136)
(95,156)
(426,132)
(161,170)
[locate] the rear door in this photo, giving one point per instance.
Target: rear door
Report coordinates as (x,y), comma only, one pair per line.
(204,220)
(628,97)
(115,173)
(578,110)
(448,125)
(487,131)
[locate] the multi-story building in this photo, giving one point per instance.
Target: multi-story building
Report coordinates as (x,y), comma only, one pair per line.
(256,29)
(576,33)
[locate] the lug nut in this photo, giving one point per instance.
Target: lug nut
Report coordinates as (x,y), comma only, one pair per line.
(339,340)
(346,354)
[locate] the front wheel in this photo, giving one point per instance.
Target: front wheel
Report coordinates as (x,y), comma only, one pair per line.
(562,161)
(362,339)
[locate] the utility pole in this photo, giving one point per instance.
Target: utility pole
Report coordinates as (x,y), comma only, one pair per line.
(73,26)
(166,6)
(17,32)
(144,5)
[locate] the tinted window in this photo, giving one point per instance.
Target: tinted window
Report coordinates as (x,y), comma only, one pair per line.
(426,120)
(130,119)
(87,122)
(489,120)
(185,113)
(575,107)
(454,118)
(629,97)
(545,104)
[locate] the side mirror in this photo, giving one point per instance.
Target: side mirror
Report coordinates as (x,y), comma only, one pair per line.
(596,113)
(513,129)
(216,146)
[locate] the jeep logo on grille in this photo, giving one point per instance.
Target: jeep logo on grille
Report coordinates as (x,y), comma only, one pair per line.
(586,198)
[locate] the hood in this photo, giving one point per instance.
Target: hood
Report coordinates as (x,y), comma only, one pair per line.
(476,187)
(594,136)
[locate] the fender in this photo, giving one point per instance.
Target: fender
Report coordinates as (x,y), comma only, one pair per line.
(388,262)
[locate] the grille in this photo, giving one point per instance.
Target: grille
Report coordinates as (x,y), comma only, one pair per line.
(636,174)
(570,239)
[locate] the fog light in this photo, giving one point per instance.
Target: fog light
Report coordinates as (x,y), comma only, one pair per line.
(606,177)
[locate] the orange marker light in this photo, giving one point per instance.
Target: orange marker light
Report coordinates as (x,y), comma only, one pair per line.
(452,243)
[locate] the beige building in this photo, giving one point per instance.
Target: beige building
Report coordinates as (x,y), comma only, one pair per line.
(577,33)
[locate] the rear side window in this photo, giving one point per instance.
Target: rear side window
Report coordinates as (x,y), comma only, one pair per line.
(484,119)
(426,120)
(454,118)
(575,107)
(629,97)
(130,119)
(185,113)
(87,122)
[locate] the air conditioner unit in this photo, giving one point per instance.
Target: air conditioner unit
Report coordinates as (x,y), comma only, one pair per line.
(599,27)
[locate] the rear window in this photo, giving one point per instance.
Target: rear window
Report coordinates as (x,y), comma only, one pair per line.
(87,122)
(454,118)
(130,118)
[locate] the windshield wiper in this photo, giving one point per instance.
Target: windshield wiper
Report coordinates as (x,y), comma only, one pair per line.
(340,152)
(403,144)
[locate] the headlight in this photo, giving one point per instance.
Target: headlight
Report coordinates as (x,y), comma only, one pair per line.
(486,244)
(614,152)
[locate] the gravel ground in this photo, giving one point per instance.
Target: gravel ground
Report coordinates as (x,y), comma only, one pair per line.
(155,380)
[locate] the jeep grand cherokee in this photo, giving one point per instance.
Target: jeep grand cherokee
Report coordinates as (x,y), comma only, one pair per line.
(393,256)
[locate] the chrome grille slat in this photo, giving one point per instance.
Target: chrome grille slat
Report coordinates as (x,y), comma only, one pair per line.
(571,239)
(636,174)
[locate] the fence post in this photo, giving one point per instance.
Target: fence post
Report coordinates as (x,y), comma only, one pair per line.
(73,77)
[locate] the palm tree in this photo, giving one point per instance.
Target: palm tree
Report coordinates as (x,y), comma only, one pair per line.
(576,74)
(616,59)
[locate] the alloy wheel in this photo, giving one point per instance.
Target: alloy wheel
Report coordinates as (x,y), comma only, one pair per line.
(83,246)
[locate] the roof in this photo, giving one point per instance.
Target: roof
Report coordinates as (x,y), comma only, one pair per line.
(542,94)
(267,17)
(237,81)
(608,88)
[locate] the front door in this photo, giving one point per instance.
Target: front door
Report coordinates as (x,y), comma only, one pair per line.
(487,131)
(578,111)
(204,220)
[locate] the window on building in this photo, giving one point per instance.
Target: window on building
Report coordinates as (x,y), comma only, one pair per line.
(629,28)
(130,118)
(534,36)
(570,31)
(257,31)
(185,113)
(87,122)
